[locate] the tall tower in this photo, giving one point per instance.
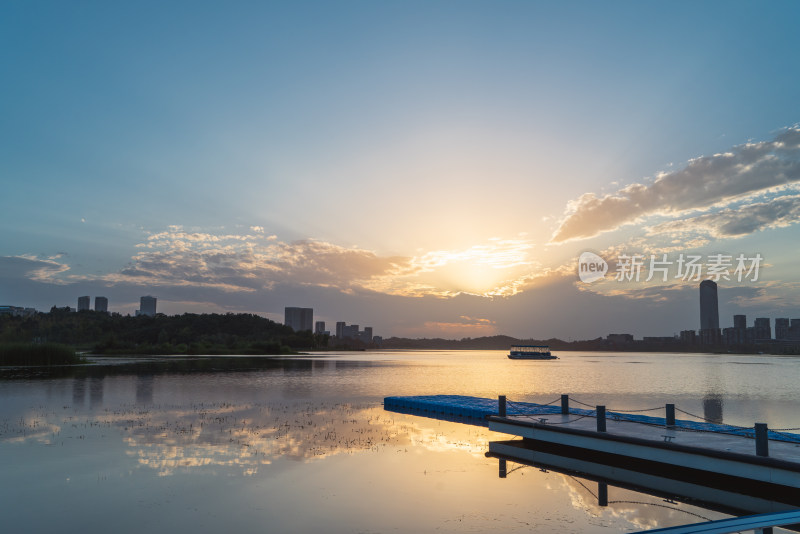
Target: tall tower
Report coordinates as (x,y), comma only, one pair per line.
(709,313)
(709,308)
(83,303)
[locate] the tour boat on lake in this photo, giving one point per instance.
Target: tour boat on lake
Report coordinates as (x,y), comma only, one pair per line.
(531,352)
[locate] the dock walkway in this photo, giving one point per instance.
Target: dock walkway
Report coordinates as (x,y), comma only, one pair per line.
(480,409)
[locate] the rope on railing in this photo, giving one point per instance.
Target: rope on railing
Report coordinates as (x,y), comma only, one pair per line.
(552,402)
(619,415)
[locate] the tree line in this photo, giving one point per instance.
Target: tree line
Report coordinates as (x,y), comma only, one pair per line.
(190,333)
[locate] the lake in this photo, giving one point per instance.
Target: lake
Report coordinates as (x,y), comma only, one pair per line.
(303,444)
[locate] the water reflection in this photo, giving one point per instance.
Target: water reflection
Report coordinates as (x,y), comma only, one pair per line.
(96,391)
(712,407)
(646,499)
(78,391)
(304,444)
(242,437)
(144,389)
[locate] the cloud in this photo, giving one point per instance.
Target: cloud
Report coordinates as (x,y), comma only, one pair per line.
(251,262)
(500,268)
(464,326)
(736,222)
(705,182)
(32,268)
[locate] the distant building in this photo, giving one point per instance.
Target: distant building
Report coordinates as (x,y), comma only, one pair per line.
(366,335)
(709,313)
(84,303)
(763,330)
(16,311)
(619,338)
(781,328)
(299,319)
(734,336)
(750,335)
(319,327)
(101,304)
(659,339)
(794,329)
(689,337)
(147,306)
(343,331)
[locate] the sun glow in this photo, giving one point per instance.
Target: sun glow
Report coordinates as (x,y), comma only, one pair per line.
(495,269)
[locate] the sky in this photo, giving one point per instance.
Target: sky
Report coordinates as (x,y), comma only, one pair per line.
(430,169)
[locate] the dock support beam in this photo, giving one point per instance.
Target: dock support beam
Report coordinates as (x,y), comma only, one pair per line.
(601,418)
(670,415)
(762,440)
(503,468)
(501,402)
(564,404)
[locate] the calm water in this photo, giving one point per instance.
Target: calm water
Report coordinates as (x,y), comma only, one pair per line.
(303,445)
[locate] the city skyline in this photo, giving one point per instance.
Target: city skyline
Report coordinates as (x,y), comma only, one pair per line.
(435,167)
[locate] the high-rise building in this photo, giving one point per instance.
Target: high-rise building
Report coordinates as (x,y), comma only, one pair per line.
(319,327)
(740,321)
(709,309)
(763,330)
(340,326)
(147,306)
(781,328)
(84,303)
(101,304)
(709,313)
(299,318)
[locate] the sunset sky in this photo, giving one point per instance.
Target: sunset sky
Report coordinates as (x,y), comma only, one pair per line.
(428,168)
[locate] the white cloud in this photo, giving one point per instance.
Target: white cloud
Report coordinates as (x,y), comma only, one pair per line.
(252,262)
(736,222)
(705,182)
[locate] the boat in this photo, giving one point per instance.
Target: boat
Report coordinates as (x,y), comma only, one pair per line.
(531,352)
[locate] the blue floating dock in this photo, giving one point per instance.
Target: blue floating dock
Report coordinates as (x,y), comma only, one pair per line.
(476,410)
(722,456)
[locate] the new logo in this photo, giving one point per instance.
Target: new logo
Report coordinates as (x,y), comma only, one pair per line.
(591,267)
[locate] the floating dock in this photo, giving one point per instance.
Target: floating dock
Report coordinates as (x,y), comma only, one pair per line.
(734,500)
(718,456)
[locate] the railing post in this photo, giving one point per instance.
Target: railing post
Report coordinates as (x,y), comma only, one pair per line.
(602,494)
(564,404)
(501,401)
(670,415)
(762,440)
(601,418)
